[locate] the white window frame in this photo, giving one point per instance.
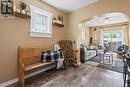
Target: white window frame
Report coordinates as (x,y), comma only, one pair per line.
(44,27)
(83,34)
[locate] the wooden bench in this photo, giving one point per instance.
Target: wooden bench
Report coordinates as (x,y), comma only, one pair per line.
(29,59)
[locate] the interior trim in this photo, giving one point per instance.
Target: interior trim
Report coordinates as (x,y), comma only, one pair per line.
(10,82)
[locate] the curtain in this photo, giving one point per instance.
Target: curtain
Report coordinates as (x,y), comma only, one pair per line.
(125,34)
(101,37)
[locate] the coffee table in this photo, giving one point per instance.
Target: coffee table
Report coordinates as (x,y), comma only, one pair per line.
(108,56)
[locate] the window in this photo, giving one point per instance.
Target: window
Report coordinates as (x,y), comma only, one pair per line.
(83,34)
(114,39)
(41,23)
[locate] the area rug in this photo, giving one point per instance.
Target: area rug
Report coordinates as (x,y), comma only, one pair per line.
(116,66)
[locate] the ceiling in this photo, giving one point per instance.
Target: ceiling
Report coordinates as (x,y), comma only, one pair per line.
(106,19)
(69,5)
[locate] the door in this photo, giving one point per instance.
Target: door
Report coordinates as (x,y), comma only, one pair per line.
(112,39)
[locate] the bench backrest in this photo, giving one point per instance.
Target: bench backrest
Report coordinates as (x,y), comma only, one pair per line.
(29,56)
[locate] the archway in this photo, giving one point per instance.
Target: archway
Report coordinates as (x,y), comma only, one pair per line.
(100,21)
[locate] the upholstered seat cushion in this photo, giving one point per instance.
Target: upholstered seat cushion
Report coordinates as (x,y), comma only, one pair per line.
(122,49)
(87,53)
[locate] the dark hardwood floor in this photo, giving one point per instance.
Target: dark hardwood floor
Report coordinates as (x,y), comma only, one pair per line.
(84,76)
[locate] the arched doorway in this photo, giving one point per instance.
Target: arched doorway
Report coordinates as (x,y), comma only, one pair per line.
(93,30)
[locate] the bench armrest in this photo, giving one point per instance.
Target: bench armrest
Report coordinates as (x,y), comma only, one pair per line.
(21,65)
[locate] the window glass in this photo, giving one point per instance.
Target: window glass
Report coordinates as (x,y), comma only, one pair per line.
(41,23)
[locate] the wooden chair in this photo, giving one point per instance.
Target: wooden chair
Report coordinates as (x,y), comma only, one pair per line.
(70,55)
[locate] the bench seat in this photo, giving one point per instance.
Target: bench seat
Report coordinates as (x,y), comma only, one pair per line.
(36,65)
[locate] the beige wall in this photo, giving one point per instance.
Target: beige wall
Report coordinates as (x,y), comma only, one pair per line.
(100,7)
(15,32)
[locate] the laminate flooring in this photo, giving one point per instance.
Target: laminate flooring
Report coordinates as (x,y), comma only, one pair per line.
(84,76)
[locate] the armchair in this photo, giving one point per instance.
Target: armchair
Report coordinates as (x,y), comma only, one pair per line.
(87,52)
(121,51)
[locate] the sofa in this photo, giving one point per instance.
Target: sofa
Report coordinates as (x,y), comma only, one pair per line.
(87,52)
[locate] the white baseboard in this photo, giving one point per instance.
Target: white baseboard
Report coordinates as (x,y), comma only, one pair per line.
(7,83)
(10,82)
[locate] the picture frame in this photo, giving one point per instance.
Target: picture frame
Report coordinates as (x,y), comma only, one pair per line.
(7,7)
